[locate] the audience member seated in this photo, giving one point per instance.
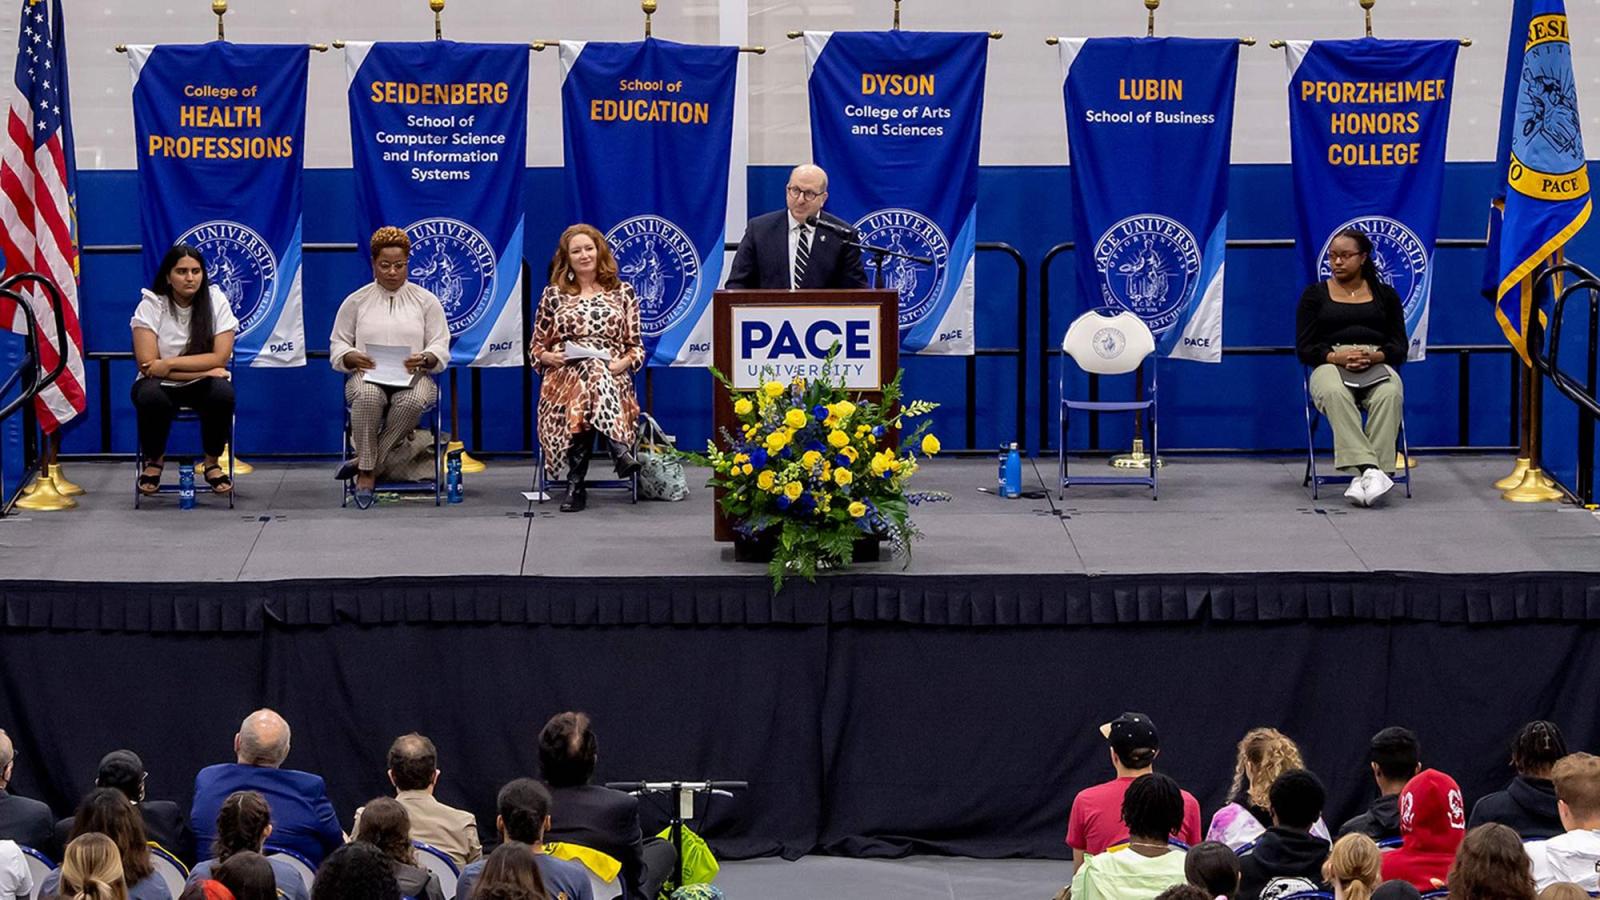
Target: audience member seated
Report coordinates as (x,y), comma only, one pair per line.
(26,821)
(512,873)
(414,772)
(107,812)
(1490,865)
(1563,890)
(1354,868)
(206,890)
(1573,856)
(91,869)
(1433,820)
(1148,863)
(597,817)
(1184,892)
(356,871)
(164,822)
(386,825)
(523,817)
(1095,820)
(1395,755)
(1528,804)
(303,819)
(248,876)
(1396,890)
(243,825)
(1213,866)
(1288,858)
(1264,754)
(16,880)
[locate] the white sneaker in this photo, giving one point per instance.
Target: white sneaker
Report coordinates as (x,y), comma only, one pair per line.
(1357,491)
(1377,484)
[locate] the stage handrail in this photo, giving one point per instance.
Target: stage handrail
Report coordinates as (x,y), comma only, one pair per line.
(1581,394)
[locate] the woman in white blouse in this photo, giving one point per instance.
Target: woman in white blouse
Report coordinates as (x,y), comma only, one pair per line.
(390,312)
(182,339)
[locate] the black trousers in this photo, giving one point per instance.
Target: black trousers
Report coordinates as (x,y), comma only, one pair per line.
(157,404)
(660,861)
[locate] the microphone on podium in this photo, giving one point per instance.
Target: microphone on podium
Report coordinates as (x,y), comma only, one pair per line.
(844,231)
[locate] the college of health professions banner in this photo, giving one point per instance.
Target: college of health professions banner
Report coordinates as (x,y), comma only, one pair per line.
(1149,125)
(649,126)
(440,133)
(1367,123)
(220,130)
(895,121)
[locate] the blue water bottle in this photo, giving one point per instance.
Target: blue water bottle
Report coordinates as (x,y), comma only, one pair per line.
(453,480)
(1013,474)
(186,485)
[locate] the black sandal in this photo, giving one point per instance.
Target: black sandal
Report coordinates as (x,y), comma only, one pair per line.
(220,481)
(152,482)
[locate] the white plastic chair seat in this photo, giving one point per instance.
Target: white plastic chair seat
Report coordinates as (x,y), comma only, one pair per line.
(298,862)
(1108,345)
(173,872)
(440,864)
(39,868)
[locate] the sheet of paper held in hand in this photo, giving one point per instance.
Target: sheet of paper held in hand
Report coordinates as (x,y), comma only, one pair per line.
(391,368)
(579,351)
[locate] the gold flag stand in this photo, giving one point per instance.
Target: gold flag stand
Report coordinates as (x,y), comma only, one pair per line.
(43,495)
(1532,485)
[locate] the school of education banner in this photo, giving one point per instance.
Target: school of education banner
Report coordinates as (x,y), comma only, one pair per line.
(895,120)
(1367,125)
(220,130)
(1149,126)
(440,132)
(648,129)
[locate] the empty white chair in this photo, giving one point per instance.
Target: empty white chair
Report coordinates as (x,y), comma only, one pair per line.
(1103,344)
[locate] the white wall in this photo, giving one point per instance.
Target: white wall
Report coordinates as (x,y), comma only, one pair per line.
(1023,121)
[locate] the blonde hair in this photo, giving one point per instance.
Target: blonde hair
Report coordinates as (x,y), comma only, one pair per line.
(1356,863)
(1264,754)
(91,869)
(390,236)
(1563,890)
(1577,780)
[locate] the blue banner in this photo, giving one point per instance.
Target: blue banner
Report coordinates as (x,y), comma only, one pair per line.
(221,135)
(1367,125)
(895,121)
(649,126)
(1149,126)
(440,133)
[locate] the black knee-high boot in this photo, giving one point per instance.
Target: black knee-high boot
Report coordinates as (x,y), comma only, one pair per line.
(622,457)
(577,469)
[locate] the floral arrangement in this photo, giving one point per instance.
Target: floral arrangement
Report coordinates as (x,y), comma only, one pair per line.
(816,471)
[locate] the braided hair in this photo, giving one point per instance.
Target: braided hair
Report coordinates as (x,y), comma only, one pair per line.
(1537,747)
(242,824)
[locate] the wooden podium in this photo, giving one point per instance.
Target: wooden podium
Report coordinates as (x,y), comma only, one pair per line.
(749,333)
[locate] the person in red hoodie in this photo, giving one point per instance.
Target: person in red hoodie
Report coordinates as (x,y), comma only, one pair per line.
(1433,820)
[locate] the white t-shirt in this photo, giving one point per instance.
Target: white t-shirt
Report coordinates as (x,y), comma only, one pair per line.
(171,323)
(15,879)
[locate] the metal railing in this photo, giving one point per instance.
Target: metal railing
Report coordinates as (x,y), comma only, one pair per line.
(1581,393)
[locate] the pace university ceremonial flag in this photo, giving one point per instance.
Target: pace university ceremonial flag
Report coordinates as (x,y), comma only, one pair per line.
(440,132)
(220,130)
(1367,124)
(895,120)
(648,128)
(1149,126)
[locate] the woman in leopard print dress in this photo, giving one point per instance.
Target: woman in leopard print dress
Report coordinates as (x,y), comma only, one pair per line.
(586,305)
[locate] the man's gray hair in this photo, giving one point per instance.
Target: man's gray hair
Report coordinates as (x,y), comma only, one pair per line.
(263,739)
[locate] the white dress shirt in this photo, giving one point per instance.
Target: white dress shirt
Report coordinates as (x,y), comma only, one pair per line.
(411,317)
(794,245)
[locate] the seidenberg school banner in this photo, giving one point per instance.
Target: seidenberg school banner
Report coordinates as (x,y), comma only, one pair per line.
(1149,126)
(1367,124)
(220,129)
(439,132)
(648,130)
(895,122)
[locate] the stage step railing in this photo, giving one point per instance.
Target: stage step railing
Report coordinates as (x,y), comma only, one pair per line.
(1581,393)
(27,373)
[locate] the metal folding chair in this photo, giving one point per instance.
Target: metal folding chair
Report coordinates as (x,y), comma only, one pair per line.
(185,414)
(542,484)
(436,486)
(1107,345)
(1316,479)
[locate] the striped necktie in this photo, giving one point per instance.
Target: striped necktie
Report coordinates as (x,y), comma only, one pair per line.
(802,255)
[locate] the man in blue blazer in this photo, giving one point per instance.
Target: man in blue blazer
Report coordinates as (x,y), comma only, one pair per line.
(303,820)
(780,251)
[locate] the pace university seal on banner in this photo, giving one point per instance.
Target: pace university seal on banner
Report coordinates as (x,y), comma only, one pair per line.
(1547,159)
(1397,253)
(242,266)
(456,263)
(907,231)
(1148,266)
(659,260)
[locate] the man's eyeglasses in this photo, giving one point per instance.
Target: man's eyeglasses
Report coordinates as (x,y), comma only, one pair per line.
(803,194)
(1338,256)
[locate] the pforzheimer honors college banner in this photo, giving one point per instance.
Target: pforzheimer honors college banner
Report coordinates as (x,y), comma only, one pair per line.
(1149,126)
(1367,124)
(648,129)
(440,133)
(221,130)
(895,121)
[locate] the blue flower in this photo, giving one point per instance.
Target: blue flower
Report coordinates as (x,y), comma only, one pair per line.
(819,412)
(784,453)
(877,431)
(758,457)
(783,502)
(842,461)
(818,446)
(808,502)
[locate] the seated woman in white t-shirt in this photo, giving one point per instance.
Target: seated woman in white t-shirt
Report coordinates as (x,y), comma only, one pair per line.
(183,347)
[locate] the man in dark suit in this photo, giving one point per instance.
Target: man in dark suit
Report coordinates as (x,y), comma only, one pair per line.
(28,822)
(597,817)
(164,822)
(303,820)
(780,251)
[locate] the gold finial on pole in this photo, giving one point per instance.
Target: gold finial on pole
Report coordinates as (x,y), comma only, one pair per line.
(1150,22)
(649,7)
(1366,6)
(438,21)
(220,8)
(896,25)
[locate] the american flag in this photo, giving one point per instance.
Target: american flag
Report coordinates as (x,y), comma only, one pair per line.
(38,200)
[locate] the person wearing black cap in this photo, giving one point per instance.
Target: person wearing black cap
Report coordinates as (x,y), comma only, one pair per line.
(164,822)
(1095,822)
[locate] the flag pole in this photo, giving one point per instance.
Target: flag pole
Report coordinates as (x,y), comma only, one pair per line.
(1535,486)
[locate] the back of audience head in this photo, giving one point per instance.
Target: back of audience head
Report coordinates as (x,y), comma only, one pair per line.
(523,807)
(8,757)
(1264,754)
(1536,748)
(1563,890)
(206,889)
(1577,780)
(1184,892)
(1134,741)
(91,869)
(1396,890)
(1213,867)
(385,824)
(357,871)
(1152,808)
(1395,756)
(511,873)
(413,762)
(1296,799)
(263,740)
(243,823)
(1490,864)
(1354,867)
(106,811)
(123,770)
(567,750)
(248,876)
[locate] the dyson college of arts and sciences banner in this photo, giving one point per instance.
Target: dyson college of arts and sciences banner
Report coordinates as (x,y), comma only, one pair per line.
(895,120)
(440,134)
(1367,123)
(1149,126)
(649,126)
(221,129)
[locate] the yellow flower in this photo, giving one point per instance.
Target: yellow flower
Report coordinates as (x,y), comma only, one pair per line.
(777,440)
(774,389)
(810,458)
(743,406)
(838,438)
(930,444)
(750,431)
(794,418)
(844,409)
(741,457)
(793,490)
(764,480)
(842,477)
(748,469)
(858,509)
(849,453)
